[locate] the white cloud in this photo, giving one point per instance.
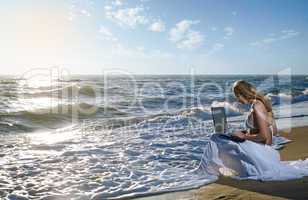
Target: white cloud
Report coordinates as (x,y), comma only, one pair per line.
(283,35)
(127,17)
(85,12)
(80,8)
(158,26)
(184,37)
(216,47)
(106,34)
(180,30)
(214,28)
(228,32)
(192,40)
(108,8)
(118,2)
(288,34)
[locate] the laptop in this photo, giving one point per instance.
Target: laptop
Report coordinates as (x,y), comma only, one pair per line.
(221,124)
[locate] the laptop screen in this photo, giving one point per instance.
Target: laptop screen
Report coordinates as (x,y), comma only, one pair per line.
(219,118)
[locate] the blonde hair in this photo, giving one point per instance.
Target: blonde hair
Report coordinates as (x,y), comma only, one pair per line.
(249,92)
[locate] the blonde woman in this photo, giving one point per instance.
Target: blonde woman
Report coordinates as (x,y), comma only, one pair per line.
(254,158)
(260,121)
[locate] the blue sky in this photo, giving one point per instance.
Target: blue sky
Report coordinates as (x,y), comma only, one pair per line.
(155,36)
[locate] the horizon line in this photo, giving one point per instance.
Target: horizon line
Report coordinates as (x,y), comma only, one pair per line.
(175,74)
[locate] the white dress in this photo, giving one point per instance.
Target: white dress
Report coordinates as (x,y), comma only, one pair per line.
(248,160)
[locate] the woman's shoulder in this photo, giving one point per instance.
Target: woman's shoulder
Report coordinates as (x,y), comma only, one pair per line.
(258,105)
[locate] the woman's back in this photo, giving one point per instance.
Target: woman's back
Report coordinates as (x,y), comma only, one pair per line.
(252,121)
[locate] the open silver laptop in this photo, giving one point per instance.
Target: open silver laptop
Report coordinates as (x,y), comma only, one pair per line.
(219,120)
(221,125)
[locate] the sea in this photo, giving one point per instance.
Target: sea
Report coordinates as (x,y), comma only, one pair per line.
(122,136)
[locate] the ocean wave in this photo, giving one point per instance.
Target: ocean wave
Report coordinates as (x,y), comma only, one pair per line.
(57,116)
(8,94)
(70,80)
(153,102)
(8,127)
(198,113)
(8,82)
(283,98)
(153,121)
(168,103)
(86,90)
(71,91)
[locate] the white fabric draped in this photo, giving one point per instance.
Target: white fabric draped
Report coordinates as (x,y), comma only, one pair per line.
(250,160)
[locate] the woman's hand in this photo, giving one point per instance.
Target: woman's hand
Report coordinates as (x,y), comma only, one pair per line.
(239,134)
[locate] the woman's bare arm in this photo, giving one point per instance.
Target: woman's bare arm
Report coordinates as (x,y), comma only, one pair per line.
(252,137)
(261,117)
(255,138)
(260,114)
